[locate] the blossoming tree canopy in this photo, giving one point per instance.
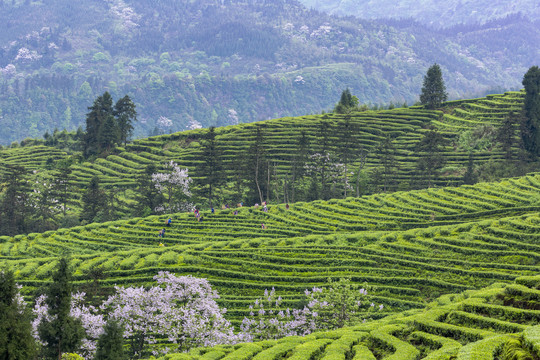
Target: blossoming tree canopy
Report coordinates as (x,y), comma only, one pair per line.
(181,309)
(174,182)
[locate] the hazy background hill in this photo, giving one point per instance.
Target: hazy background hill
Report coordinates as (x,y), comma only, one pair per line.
(200,63)
(440,14)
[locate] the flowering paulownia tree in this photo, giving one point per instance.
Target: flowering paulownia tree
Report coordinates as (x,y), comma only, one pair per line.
(175,183)
(181,309)
(340,304)
(268,321)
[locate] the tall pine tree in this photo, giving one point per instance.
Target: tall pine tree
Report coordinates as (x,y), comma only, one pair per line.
(62,186)
(507,131)
(100,112)
(347,146)
(15,207)
(126,115)
(298,165)
(108,134)
(433,89)
(430,159)
(110,344)
(93,200)
(387,155)
(212,167)
(147,195)
(257,166)
(16,341)
(530,127)
(62,333)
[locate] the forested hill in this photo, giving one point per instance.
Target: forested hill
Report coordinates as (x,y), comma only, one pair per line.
(199,63)
(440,14)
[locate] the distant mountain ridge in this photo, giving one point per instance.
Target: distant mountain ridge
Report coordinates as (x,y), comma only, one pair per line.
(211,62)
(439,14)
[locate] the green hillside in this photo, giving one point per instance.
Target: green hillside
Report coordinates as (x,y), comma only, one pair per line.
(216,63)
(493,323)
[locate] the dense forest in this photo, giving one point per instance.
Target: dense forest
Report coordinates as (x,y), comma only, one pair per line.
(212,63)
(439,14)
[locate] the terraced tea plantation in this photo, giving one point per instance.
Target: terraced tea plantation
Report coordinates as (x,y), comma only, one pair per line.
(474,325)
(425,255)
(404,125)
(409,247)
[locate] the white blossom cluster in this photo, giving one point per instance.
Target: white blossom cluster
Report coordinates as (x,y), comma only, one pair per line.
(194,124)
(9,70)
(27,55)
(233,117)
(127,17)
(164,123)
(174,177)
(336,171)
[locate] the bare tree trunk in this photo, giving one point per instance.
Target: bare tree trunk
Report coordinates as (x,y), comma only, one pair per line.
(345,181)
(268,181)
(257,179)
(363,159)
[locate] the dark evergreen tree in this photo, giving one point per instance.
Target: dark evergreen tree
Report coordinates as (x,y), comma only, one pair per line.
(387,155)
(256,166)
(430,159)
(299,161)
(148,197)
(16,341)
(108,134)
(238,167)
(112,204)
(433,89)
(93,200)
(470,177)
(212,172)
(62,186)
(100,111)
(324,132)
(347,102)
(347,148)
(62,333)
(530,127)
(126,115)
(110,344)
(15,207)
(506,133)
